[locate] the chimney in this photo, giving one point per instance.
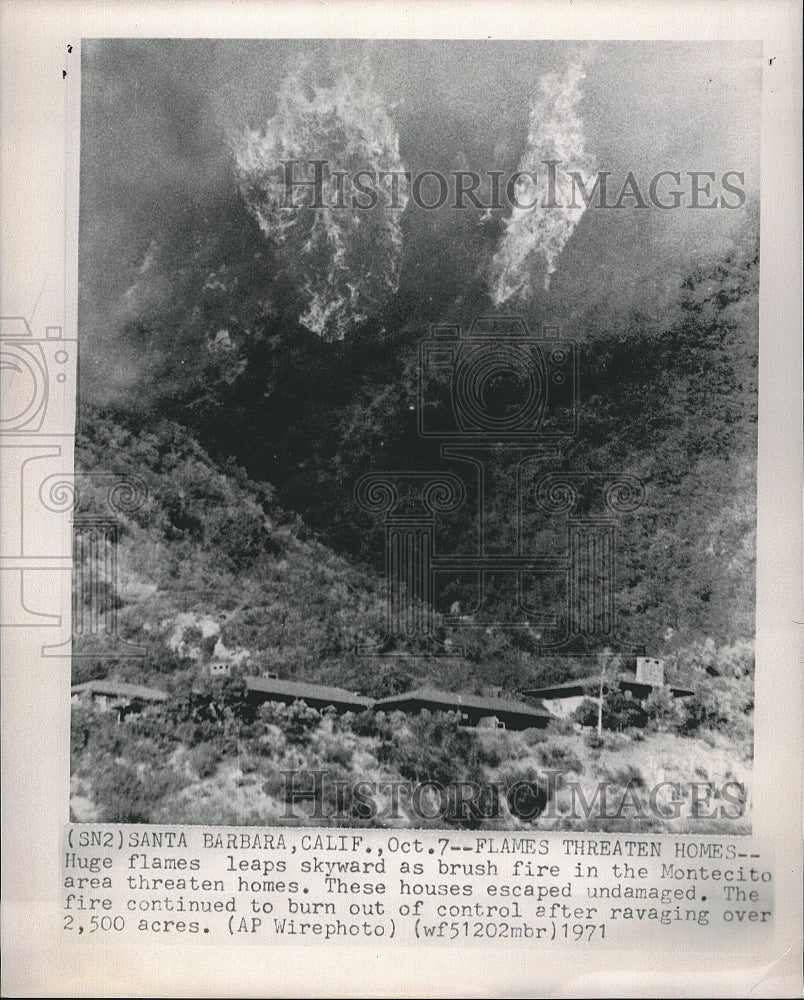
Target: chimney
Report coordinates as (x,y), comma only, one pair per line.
(650,670)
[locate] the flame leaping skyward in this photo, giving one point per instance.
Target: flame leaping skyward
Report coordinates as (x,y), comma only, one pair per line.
(346,262)
(537,232)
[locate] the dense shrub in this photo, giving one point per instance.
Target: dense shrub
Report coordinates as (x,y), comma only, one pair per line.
(206,757)
(719,703)
(619,711)
(560,757)
(629,775)
(129,794)
(430,746)
(297,721)
(81,728)
(664,712)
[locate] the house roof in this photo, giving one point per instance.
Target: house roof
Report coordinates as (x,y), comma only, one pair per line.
(305,691)
(578,686)
(455,700)
(119,689)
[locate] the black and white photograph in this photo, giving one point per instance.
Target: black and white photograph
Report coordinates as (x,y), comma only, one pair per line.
(415,463)
(400,498)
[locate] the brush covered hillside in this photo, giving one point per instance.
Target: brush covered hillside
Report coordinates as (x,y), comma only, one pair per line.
(211,568)
(250,360)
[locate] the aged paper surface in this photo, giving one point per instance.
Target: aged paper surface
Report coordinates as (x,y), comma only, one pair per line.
(399,406)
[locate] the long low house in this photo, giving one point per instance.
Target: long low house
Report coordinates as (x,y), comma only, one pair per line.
(476,710)
(117,696)
(482,711)
(501,713)
(261,689)
(562,699)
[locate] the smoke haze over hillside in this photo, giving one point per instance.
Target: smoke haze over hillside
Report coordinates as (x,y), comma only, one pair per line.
(157,116)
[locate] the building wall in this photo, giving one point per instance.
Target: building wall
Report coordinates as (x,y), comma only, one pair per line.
(562,708)
(650,670)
